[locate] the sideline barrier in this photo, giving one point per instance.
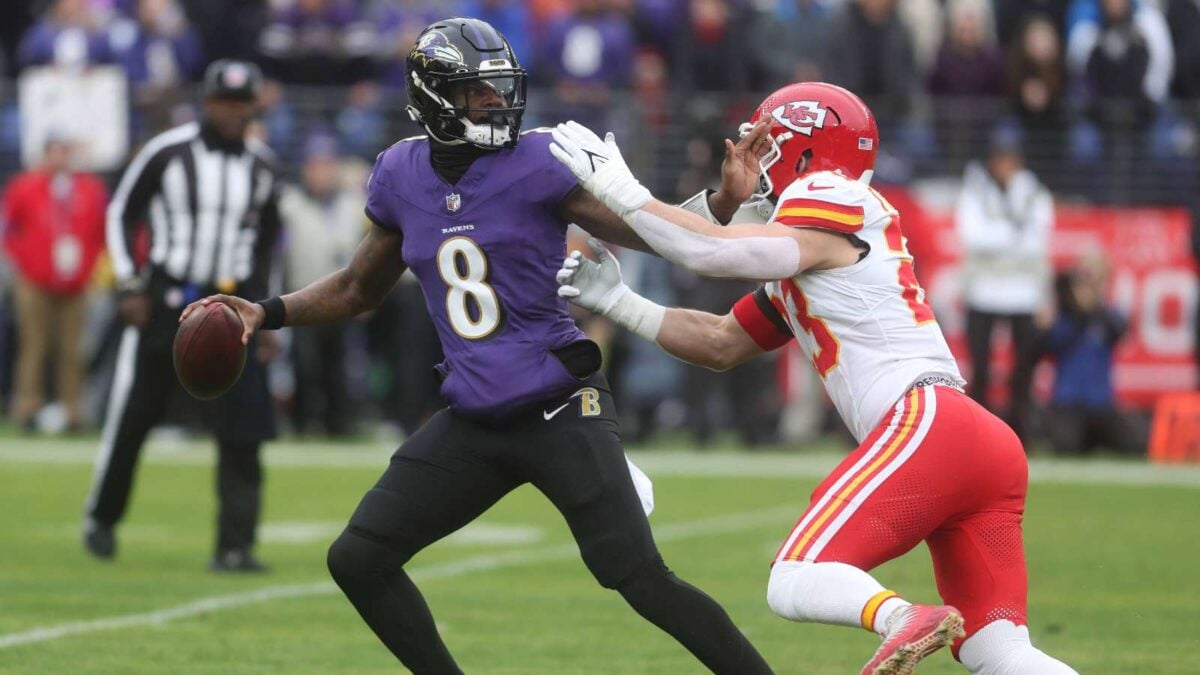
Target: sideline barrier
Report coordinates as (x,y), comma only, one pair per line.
(1175,431)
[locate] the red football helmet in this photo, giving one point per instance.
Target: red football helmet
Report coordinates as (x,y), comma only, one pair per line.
(832,124)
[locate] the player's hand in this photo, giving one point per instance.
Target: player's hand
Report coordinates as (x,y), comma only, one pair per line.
(134,309)
(251,313)
(599,167)
(594,285)
(740,169)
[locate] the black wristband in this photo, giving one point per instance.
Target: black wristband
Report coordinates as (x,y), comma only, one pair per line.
(276,313)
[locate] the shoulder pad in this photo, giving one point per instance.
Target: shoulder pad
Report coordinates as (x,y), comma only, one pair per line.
(825,200)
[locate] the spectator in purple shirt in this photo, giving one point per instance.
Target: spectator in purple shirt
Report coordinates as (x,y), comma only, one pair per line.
(67,35)
(969,63)
(318,42)
(159,50)
(969,71)
(228,28)
(587,54)
(656,22)
(398,23)
(157,46)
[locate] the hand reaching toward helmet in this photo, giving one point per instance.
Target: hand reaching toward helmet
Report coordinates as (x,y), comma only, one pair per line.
(740,169)
(600,168)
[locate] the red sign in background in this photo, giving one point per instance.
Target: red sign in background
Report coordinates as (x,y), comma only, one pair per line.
(1152,279)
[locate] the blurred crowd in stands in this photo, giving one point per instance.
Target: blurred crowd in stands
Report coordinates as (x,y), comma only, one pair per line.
(1098,96)
(1089,80)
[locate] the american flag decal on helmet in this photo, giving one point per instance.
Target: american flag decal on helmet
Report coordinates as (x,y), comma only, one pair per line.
(865,144)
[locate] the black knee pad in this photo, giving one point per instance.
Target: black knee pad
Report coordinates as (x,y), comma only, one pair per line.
(355,555)
(348,556)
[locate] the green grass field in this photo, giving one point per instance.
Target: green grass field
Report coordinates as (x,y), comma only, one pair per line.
(1112,551)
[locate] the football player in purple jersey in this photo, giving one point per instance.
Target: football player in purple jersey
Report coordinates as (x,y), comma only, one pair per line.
(479,211)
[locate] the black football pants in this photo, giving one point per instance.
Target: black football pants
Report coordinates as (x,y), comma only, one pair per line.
(1020,382)
(143,385)
(453,469)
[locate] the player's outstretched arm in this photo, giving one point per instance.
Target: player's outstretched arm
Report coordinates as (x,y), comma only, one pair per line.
(739,177)
(758,252)
(583,209)
(715,342)
(359,287)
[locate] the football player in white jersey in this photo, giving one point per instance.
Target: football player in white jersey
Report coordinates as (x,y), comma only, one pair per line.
(932,465)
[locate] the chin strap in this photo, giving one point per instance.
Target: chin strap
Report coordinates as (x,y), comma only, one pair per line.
(487,135)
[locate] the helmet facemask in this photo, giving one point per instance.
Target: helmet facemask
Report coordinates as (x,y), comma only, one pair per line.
(766,187)
(495,119)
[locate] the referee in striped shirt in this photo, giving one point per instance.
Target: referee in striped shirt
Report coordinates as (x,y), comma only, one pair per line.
(206,195)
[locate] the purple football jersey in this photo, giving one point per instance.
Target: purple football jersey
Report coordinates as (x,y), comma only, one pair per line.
(485,252)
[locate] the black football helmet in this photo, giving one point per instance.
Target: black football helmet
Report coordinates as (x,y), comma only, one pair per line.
(452,57)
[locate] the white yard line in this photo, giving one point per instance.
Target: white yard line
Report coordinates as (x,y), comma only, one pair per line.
(736,522)
(797,464)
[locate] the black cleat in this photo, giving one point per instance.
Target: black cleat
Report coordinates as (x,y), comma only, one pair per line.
(236,560)
(99,540)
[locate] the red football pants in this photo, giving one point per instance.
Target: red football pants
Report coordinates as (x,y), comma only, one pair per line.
(940,469)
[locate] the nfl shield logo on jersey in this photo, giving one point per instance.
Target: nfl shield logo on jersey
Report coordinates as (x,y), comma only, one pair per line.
(453,202)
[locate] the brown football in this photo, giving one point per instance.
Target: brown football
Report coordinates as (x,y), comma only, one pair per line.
(209,354)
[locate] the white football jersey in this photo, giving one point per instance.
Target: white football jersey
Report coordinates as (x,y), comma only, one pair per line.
(866,328)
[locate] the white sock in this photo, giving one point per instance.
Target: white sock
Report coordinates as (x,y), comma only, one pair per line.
(888,611)
(1003,648)
(832,593)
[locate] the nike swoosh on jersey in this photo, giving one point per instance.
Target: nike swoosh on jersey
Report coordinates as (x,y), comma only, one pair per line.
(549,415)
(813,187)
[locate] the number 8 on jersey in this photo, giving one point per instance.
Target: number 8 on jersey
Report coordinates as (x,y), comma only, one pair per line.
(471,304)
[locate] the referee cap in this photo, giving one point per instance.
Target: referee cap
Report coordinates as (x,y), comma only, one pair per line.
(230,79)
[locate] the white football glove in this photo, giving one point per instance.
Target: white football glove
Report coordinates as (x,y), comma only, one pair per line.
(598,287)
(594,286)
(599,167)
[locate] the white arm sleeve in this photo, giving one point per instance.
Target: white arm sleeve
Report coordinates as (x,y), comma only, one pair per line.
(752,258)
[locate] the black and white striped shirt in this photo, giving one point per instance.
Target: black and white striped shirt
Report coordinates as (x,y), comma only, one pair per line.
(211,209)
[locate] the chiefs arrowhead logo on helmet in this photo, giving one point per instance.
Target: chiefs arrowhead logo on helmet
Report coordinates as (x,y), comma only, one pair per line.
(801,116)
(847,143)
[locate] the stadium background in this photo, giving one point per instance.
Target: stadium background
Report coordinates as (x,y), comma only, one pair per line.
(672,78)
(1110,542)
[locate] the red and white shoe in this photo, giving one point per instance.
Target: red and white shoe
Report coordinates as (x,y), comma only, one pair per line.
(916,632)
